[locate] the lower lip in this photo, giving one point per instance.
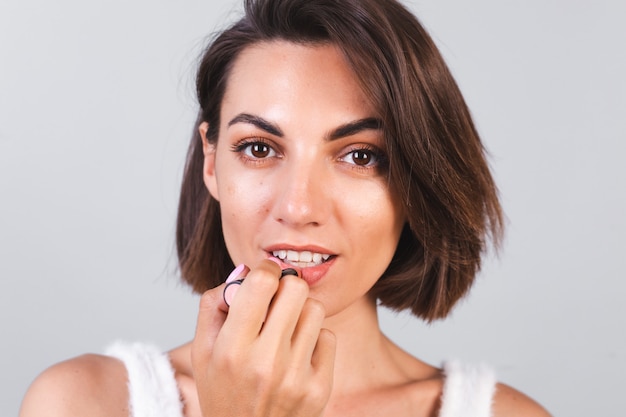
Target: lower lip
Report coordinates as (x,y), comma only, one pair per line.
(311,274)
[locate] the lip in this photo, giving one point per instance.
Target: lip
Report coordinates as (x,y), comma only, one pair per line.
(310,248)
(311,274)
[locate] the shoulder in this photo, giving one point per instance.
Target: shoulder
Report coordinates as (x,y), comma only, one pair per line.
(508,402)
(93,385)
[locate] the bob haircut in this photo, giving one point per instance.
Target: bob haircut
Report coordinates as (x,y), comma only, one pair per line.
(436,169)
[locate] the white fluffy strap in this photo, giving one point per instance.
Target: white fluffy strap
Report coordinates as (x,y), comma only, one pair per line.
(151,383)
(468,390)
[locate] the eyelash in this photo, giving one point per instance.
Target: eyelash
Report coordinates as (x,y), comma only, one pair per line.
(379,159)
(243,146)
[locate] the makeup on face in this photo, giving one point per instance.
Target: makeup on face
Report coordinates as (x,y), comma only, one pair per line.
(308,151)
(234,281)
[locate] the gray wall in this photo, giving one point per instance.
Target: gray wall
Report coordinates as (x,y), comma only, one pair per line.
(96,106)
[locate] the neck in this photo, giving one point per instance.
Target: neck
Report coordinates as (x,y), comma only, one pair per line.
(364,356)
(365,359)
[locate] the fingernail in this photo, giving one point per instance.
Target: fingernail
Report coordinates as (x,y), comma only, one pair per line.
(235,274)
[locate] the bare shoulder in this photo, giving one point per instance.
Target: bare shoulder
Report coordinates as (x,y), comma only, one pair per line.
(508,402)
(92,385)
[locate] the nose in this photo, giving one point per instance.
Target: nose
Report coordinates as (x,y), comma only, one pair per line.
(303,198)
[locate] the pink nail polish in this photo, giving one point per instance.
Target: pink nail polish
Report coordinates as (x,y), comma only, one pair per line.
(235,274)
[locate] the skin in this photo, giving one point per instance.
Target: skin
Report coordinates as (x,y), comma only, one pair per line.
(288,347)
(307,191)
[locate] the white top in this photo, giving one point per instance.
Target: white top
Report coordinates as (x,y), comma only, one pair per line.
(467,392)
(152,386)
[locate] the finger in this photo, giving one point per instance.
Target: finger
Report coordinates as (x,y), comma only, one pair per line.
(307,331)
(323,366)
(285,310)
(249,309)
(323,358)
(233,282)
(211,314)
(211,317)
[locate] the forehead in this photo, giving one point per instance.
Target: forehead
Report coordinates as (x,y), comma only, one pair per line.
(284,77)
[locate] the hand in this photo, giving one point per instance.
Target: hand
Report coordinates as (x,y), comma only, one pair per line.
(267,354)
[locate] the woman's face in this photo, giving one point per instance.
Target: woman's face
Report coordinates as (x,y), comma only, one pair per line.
(299,171)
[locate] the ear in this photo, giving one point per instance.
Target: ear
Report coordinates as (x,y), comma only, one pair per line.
(208,170)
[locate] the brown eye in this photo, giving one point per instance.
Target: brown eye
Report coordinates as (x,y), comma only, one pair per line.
(361,157)
(255,149)
(259,150)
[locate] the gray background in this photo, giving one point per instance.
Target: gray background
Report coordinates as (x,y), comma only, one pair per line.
(96,107)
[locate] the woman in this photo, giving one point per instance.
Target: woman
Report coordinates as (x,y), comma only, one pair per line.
(335,162)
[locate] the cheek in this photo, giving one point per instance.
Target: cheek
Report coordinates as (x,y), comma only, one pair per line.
(239,193)
(376,214)
(383,227)
(244,203)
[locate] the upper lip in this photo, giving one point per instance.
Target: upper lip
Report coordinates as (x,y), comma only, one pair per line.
(310,248)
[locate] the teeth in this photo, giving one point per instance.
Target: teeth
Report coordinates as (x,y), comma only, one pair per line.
(302,259)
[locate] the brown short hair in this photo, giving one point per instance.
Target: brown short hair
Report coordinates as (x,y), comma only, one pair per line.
(437,165)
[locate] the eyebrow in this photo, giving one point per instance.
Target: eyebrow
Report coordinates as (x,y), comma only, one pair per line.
(357,126)
(259,122)
(345,130)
